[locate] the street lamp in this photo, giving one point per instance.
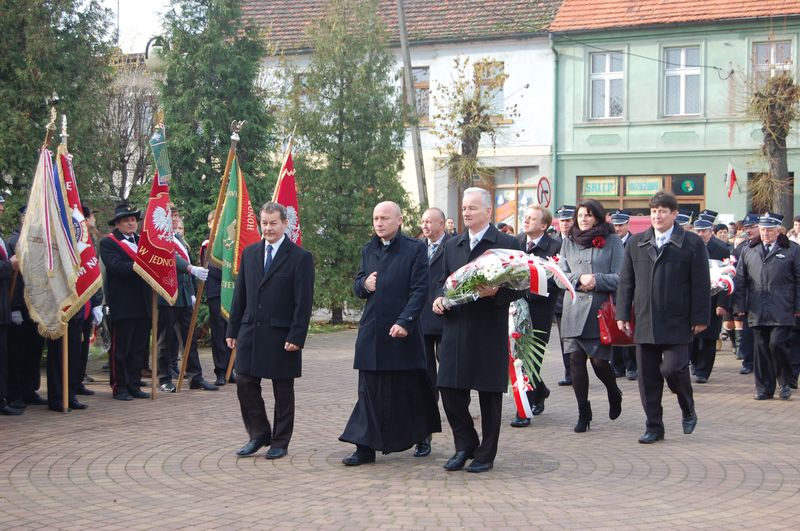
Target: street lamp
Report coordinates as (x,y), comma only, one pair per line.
(154,54)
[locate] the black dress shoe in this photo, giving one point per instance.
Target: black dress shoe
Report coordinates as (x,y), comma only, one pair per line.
(135,392)
(649,437)
(520,422)
(360,457)
(55,406)
(689,422)
(77,405)
(700,379)
(18,404)
(6,409)
(232,379)
(204,385)
(83,390)
(276,453)
(125,396)
(762,396)
(479,466)
(786,392)
(423,448)
(745,370)
(632,375)
(220,381)
(564,382)
(251,447)
(35,400)
(458,460)
(537,409)
(167,387)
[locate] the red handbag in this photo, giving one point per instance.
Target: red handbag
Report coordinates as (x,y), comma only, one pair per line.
(610,334)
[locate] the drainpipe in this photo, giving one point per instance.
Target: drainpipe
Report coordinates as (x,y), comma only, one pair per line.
(554,171)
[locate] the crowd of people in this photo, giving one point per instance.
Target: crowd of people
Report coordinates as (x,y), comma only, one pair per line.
(413,348)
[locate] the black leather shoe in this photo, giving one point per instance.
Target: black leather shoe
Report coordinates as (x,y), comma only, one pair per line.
(479,466)
(537,409)
(276,453)
(745,370)
(77,405)
(5,409)
(83,390)
(252,446)
(689,422)
(632,375)
(220,381)
(520,423)
(204,385)
(135,392)
(458,460)
(786,392)
(700,379)
(123,396)
(762,396)
(649,437)
(564,382)
(167,387)
(359,457)
(423,448)
(793,383)
(232,379)
(55,406)
(35,400)
(18,404)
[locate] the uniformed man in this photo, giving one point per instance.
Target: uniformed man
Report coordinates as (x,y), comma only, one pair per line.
(745,350)
(684,218)
(564,215)
(623,359)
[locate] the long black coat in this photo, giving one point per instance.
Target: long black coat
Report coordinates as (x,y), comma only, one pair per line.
(670,291)
(271,309)
(432,323)
(717,250)
(543,308)
(768,287)
(6,272)
(474,349)
(127,295)
(400,292)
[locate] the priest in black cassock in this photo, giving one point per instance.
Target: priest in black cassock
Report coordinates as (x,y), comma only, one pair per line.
(396,407)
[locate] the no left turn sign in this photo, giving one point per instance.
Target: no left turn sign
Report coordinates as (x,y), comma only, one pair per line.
(544,192)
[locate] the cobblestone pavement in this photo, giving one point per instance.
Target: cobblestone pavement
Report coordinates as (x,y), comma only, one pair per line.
(169,463)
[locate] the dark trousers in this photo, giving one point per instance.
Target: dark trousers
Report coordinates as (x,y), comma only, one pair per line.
(746,345)
(86,337)
(456,407)
(658,363)
(219,349)
(795,354)
(24,360)
(564,356)
(254,412)
(3,362)
(173,320)
(623,359)
(129,340)
(55,364)
(432,356)
(704,352)
(772,359)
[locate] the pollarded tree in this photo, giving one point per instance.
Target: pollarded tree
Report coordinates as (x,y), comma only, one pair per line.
(349,117)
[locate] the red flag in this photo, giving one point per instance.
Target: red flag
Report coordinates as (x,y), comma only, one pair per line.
(286,195)
(155,259)
(730,180)
(89,277)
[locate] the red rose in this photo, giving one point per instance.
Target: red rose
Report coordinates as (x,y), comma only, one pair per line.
(515,335)
(599,242)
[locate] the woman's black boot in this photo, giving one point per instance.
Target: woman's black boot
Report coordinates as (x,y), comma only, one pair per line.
(584,417)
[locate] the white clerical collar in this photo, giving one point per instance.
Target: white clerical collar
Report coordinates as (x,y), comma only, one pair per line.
(274,245)
(666,234)
(478,235)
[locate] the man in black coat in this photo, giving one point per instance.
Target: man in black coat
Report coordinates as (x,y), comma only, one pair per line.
(7,268)
(474,349)
(704,346)
(665,281)
(396,405)
(433,228)
(268,325)
(216,322)
(745,346)
(542,309)
(623,359)
(768,293)
(129,299)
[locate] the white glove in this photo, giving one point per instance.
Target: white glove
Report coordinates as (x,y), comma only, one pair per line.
(97,315)
(16,317)
(200,273)
(194,300)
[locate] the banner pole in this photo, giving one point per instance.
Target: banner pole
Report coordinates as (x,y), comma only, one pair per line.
(154,346)
(229,370)
(65,368)
(190,335)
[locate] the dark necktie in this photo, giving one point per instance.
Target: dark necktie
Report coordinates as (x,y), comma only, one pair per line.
(767,248)
(268,259)
(531,246)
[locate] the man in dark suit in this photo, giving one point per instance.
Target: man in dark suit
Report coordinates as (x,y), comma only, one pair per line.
(129,299)
(704,346)
(474,349)
(623,359)
(665,280)
(433,228)
(216,322)
(268,325)
(768,294)
(7,268)
(565,216)
(542,309)
(745,348)
(396,405)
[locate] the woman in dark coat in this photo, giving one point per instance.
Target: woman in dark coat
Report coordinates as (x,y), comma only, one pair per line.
(591,257)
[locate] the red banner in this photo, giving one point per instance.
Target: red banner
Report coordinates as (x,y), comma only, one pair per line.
(286,195)
(155,259)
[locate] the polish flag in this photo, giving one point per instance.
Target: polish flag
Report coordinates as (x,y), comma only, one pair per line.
(730,180)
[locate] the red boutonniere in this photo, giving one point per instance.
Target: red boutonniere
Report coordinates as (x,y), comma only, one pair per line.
(516,335)
(599,242)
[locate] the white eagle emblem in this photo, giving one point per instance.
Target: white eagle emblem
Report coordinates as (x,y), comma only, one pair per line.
(293,226)
(162,222)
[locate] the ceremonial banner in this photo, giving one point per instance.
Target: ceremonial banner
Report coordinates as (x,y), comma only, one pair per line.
(237,228)
(730,180)
(46,251)
(155,258)
(89,277)
(286,195)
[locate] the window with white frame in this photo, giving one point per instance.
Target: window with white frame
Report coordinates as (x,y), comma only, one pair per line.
(421,76)
(681,81)
(770,58)
(606,85)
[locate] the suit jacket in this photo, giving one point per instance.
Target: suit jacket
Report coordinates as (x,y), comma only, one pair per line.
(127,295)
(669,291)
(270,309)
(432,323)
(473,353)
(400,294)
(543,308)
(768,287)
(580,316)
(717,250)
(214,280)
(6,272)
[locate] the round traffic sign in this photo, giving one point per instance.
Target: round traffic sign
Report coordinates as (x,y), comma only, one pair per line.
(544,192)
